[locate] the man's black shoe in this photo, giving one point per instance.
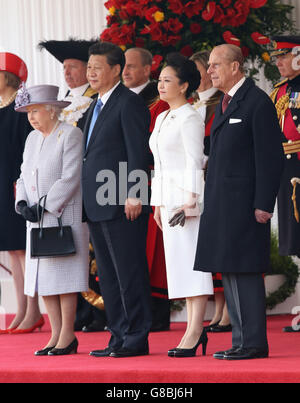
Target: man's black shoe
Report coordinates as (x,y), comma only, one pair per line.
(125,352)
(220,354)
(246,354)
(95,326)
(221,329)
(292,329)
(102,353)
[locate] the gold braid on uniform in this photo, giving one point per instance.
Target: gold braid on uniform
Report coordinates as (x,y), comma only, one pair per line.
(91,296)
(294,182)
(94,299)
(282,103)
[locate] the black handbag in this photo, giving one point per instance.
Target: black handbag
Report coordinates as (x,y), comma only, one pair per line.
(51,242)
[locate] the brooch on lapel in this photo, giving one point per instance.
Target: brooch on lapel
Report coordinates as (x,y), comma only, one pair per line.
(59,134)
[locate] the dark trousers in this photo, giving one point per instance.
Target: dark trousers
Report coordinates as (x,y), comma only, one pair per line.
(120,251)
(246,301)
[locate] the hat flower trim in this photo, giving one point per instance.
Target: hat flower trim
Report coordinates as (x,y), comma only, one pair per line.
(23,97)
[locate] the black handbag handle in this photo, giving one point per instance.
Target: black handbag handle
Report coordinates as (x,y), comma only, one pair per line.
(41,221)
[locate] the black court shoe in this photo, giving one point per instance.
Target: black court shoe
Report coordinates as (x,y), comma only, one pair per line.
(71,349)
(191,352)
(43,352)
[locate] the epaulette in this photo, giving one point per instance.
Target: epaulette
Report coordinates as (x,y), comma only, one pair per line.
(277,86)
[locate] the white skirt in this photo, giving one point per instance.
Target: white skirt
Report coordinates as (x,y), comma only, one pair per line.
(180,245)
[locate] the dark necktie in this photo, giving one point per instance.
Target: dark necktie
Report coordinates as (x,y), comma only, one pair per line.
(225,102)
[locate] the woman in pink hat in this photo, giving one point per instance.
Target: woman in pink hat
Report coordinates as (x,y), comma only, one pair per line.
(14,128)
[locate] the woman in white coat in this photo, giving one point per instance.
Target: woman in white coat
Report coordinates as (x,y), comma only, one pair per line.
(177,186)
(52,166)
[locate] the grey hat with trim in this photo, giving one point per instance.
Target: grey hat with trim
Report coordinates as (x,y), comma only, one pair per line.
(38,95)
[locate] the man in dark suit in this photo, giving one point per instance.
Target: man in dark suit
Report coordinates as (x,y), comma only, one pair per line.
(244,171)
(116,153)
(136,77)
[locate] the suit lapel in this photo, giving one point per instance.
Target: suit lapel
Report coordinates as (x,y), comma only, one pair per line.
(104,113)
(234,105)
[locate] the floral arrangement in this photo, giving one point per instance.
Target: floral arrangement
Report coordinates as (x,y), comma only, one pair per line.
(188,26)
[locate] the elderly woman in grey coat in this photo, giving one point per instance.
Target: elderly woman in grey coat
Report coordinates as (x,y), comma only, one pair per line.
(52,166)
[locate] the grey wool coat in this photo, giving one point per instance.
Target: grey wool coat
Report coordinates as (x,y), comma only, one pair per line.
(52,166)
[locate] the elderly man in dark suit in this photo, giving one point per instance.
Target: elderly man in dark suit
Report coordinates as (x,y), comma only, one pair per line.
(115,157)
(244,171)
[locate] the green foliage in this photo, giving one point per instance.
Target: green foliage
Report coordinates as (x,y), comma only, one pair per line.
(282,265)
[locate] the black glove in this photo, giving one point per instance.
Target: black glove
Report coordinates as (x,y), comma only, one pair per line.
(178,218)
(30,213)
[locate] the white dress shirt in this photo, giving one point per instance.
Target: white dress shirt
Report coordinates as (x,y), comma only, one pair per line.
(75,92)
(236,87)
(106,96)
(140,88)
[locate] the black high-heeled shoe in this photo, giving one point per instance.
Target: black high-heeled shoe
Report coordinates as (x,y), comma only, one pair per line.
(70,349)
(210,327)
(191,352)
(171,352)
(44,351)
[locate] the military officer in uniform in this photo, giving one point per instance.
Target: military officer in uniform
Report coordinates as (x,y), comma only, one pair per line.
(73,54)
(286,97)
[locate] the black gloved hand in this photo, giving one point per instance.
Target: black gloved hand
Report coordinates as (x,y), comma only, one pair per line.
(30,213)
(178,218)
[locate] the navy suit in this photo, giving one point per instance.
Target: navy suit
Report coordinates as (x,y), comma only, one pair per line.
(120,134)
(244,171)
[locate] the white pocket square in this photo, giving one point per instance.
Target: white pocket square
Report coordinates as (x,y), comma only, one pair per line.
(232,121)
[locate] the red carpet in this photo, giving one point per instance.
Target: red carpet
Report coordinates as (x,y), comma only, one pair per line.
(18,364)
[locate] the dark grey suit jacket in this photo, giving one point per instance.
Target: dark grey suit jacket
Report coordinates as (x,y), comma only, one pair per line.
(120,135)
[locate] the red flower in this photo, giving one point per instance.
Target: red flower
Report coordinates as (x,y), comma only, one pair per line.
(157,59)
(187,51)
(176,6)
(257,3)
(195,28)
(170,40)
(129,9)
(149,13)
(115,3)
(173,25)
(111,34)
(243,9)
(140,42)
(193,8)
(219,15)
(154,30)
(210,11)
(226,3)
(127,34)
(146,2)
(245,51)
(260,39)
(110,19)
(230,38)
